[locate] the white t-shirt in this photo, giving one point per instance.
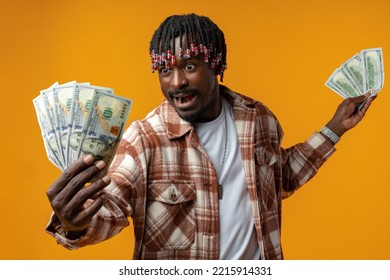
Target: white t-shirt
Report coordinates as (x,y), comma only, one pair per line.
(238,236)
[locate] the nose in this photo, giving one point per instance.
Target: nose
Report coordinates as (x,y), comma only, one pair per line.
(179,79)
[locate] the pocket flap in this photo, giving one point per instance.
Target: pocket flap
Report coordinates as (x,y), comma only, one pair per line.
(171,191)
(265,156)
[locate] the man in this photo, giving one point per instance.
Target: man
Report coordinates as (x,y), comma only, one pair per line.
(203,175)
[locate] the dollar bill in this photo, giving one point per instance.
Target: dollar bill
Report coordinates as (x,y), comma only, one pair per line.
(81,107)
(63,96)
(106,122)
(50,102)
(362,73)
(46,132)
(336,89)
(76,119)
(353,68)
(342,84)
(373,69)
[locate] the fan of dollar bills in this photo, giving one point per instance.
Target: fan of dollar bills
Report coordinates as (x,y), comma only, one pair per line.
(360,74)
(78,119)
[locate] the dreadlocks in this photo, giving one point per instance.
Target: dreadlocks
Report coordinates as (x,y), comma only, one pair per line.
(202,37)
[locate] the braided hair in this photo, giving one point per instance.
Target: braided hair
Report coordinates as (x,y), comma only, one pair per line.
(202,37)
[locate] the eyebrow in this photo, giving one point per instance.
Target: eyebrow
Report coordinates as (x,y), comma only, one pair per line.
(186,59)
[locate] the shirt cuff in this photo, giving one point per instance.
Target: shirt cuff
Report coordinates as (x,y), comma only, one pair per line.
(321,145)
(55,229)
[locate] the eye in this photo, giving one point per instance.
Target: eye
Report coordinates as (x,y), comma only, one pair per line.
(189,67)
(164,71)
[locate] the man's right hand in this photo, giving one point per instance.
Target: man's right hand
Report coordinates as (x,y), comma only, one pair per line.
(68,194)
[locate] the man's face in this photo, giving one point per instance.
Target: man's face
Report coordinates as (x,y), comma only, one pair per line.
(191,87)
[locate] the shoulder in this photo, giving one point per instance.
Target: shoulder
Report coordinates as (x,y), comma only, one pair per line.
(266,122)
(146,127)
(245,102)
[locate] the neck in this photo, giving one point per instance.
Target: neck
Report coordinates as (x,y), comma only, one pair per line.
(214,108)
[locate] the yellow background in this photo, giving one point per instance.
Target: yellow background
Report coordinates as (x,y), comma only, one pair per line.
(280,52)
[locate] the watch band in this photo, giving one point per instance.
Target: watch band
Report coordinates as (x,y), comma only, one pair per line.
(330,134)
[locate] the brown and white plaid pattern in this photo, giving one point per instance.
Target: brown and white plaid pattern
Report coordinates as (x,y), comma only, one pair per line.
(163,179)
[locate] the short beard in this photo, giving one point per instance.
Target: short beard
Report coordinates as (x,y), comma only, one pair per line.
(191,118)
(194,118)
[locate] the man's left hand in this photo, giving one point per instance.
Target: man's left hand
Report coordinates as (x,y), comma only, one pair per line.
(348,114)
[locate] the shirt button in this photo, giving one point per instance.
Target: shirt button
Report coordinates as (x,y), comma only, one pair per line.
(173,196)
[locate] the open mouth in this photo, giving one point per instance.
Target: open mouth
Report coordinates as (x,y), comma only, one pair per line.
(183,101)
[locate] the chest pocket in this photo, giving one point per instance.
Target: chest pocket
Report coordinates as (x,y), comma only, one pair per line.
(170,215)
(265,172)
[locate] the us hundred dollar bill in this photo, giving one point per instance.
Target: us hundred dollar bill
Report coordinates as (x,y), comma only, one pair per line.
(54,135)
(81,108)
(373,69)
(105,126)
(353,68)
(63,96)
(342,84)
(46,132)
(77,119)
(362,73)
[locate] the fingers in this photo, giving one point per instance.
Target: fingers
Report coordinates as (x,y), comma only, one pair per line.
(360,98)
(78,166)
(68,193)
(76,190)
(73,215)
(83,219)
(79,181)
(355,110)
(78,200)
(367,104)
(354,104)
(349,113)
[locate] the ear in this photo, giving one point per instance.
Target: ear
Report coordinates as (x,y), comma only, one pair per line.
(220,70)
(221,74)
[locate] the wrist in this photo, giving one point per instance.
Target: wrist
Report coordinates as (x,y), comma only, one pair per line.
(336,127)
(330,134)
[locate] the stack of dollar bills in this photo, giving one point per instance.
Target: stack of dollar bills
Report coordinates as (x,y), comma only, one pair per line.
(78,119)
(360,74)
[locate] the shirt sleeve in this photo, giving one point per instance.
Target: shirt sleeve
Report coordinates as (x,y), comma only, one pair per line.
(124,196)
(302,161)
(109,221)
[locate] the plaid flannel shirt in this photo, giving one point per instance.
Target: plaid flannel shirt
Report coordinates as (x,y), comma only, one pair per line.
(163,179)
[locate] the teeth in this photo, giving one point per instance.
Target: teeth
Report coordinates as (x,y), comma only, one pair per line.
(180,99)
